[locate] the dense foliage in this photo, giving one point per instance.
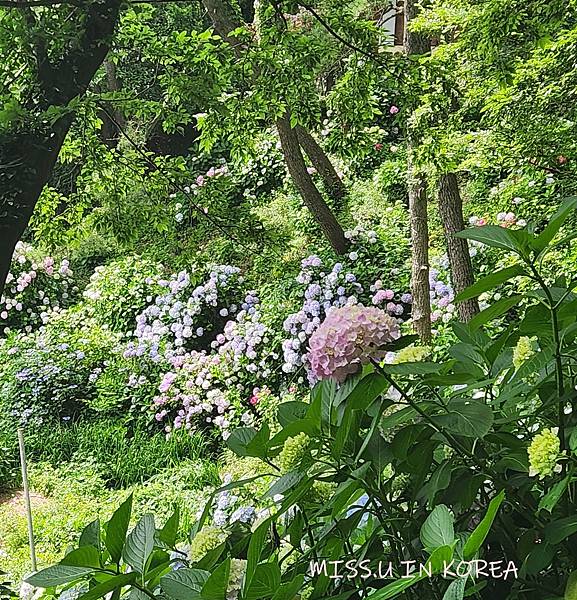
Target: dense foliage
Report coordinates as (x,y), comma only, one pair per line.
(210,239)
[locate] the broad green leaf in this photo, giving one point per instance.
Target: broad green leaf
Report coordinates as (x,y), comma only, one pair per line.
(557,531)
(117,528)
(140,543)
(264,582)
(480,532)
(116,582)
(58,575)
(284,483)
(550,500)
(495,310)
(438,529)
(398,418)
(396,587)
(366,391)
(184,584)
(291,411)
(90,535)
(489,282)
(85,556)
(438,481)
(470,418)
(169,533)
(555,224)
(440,559)
(496,237)
(217,583)
(456,591)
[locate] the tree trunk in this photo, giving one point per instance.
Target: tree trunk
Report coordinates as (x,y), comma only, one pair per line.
(451,212)
(28,154)
(420,288)
(226,19)
(303,182)
(333,184)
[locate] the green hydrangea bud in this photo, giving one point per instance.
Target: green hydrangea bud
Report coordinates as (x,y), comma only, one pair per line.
(207,539)
(293,452)
(523,351)
(544,452)
(237,571)
(412,354)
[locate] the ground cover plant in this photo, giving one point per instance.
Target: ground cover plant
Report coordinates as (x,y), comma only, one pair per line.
(288,299)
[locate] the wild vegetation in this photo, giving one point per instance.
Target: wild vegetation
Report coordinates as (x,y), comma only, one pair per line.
(288,299)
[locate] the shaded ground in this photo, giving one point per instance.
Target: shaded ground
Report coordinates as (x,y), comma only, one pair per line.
(14,499)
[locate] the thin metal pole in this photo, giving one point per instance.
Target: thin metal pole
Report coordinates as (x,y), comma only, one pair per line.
(27,498)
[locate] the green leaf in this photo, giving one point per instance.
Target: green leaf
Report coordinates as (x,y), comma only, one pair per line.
(489,282)
(264,583)
(480,532)
(555,223)
(284,483)
(85,556)
(438,481)
(456,591)
(169,533)
(550,500)
(495,310)
(496,237)
(469,418)
(291,411)
(247,441)
(58,575)
(216,585)
(396,587)
(90,535)
(571,587)
(438,529)
(255,548)
(116,582)
(398,418)
(117,528)
(366,391)
(289,591)
(184,584)
(557,531)
(140,543)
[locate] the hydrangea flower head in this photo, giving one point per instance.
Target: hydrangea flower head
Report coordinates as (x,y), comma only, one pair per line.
(522,351)
(544,452)
(349,337)
(293,452)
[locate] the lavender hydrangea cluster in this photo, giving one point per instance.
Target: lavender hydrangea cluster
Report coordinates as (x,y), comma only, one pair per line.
(184,316)
(328,287)
(442,298)
(35,287)
(349,337)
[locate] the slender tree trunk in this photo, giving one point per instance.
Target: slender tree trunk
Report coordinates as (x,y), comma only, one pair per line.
(420,288)
(303,182)
(28,155)
(225,19)
(333,184)
(451,212)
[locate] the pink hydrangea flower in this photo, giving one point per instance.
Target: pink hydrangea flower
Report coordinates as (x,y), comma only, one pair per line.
(348,338)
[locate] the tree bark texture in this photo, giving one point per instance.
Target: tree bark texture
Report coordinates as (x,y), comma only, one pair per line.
(420,286)
(333,184)
(451,212)
(303,182)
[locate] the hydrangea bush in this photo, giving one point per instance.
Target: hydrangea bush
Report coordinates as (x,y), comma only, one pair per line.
(36,286)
